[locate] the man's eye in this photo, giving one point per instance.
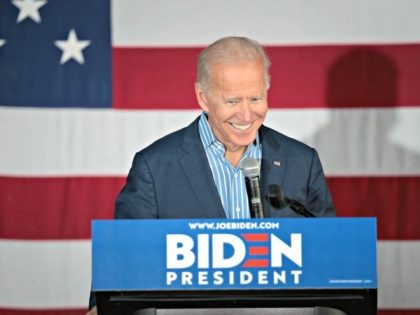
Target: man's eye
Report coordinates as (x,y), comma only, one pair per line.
(256,99)
(231,102)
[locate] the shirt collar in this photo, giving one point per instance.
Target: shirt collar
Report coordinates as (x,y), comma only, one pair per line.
(209,139)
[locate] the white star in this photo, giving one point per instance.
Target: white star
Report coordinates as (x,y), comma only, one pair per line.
(29,8)
(72,48)
(2,42)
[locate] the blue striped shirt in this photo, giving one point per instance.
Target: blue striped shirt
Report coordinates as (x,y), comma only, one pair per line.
(229,180)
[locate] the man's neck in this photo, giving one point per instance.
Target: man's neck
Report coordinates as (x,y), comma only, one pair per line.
(234,157)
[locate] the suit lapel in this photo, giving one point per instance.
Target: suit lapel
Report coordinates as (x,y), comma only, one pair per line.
(273,166)
(197,170)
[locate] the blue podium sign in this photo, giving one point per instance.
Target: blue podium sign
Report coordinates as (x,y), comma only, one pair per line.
(144,255)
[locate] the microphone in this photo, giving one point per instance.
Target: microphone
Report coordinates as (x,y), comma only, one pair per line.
(278,201)
(251,170)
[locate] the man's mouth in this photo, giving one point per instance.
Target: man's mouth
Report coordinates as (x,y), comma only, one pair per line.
(240,127)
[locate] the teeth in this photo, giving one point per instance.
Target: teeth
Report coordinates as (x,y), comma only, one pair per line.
(241,127)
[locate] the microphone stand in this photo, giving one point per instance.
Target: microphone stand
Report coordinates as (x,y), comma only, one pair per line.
(299,208)
(278,201)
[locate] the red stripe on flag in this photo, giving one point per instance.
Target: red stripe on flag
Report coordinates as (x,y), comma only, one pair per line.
(55,208)
(255,263)
(302,76)
(150,78)
(62,208)
(393,200)
(255,237)
(258,250)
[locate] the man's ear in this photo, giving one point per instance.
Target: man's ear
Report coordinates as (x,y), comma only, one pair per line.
(201,97)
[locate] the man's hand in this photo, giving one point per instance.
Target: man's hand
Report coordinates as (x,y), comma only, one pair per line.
(92,311)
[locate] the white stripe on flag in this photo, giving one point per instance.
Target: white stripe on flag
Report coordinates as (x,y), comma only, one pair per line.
(44,274)
(399,274)
(60,142)
(56,274)
(55,142)
(197,23)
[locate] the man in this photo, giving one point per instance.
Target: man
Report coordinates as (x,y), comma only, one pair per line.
(195,172)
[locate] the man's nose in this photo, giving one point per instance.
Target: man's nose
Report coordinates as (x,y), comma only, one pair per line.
(246,110)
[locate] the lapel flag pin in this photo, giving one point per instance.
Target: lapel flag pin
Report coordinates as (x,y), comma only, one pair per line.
(276,163)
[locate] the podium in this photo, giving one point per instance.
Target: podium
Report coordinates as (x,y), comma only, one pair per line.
(259,263)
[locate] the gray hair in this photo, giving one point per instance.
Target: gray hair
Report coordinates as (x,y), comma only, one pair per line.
(230,50)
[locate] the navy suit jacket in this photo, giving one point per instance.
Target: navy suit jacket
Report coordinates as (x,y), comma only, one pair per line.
(172,178)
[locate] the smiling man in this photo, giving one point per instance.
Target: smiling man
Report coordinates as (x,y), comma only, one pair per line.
(195,172)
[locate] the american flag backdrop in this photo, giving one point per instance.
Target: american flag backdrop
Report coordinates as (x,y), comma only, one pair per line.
(84,84)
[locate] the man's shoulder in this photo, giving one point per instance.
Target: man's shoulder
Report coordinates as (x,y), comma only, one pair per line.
(285,143)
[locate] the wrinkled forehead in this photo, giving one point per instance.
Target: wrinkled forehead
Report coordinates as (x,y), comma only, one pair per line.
(237,80)
(237,72)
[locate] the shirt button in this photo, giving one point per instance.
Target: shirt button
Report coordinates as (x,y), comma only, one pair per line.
(238,209)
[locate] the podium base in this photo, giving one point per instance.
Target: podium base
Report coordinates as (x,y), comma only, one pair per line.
(322,302)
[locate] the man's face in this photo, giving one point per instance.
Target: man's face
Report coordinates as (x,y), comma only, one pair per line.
(236,102)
